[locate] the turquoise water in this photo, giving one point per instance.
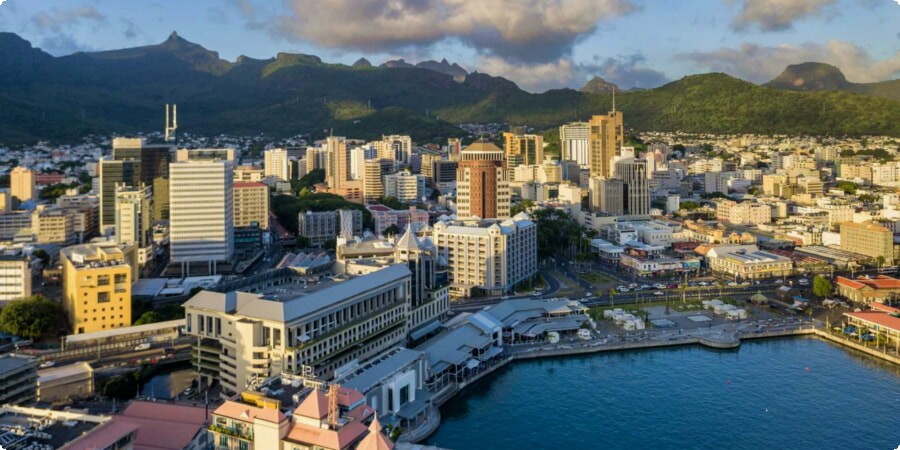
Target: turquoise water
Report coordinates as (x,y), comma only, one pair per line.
(798,393)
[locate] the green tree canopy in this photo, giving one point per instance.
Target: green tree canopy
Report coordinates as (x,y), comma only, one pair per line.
(392,230)
(33,317)
(149,317)
(821,286)
(847,186)
(689,205)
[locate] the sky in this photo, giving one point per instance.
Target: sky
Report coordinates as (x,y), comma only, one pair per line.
(539,44)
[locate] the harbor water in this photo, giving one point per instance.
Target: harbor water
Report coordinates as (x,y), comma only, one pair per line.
(797,393)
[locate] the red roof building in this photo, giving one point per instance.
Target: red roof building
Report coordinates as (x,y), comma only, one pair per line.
(867,290)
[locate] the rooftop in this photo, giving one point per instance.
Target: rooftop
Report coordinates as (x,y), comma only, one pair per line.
(878,318)
(374,371)
(879,282)
(11,362)
(248,184)
(865,226)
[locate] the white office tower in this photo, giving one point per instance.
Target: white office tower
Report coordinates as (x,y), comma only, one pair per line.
(575,139)
(673,203)
(277,166)
(358,157)
(201,208)
(633,173)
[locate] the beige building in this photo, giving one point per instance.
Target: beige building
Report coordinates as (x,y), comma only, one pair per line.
(248,173)
(251,204)
(134,216)
(488,256)
(54,225)
(870,239)
(15,276)
(21,184)
(277,166)
(97,281)
(607,195)
(748,262)
(374,171)
(607,136)
(320,328)
(744,213)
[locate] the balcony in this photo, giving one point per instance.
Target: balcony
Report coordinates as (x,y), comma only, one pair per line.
(246,435)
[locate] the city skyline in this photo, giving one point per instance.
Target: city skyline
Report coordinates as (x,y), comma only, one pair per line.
(539,45)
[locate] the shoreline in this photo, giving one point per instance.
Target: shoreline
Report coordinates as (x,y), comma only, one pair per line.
(730,342)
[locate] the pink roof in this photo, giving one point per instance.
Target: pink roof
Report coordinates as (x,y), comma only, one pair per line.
(361,412)
(238,411)
(347,396)
(375,440)
(884,308)
(163,425)
(315,405)
(326,438)
(248,184)
(881,282)
(877,318)
(271,415)
(103,436)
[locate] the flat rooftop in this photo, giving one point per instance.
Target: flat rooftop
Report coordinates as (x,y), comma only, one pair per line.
(9,363)
(58,432)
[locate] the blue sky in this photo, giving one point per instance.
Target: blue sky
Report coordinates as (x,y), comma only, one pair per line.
(540,44)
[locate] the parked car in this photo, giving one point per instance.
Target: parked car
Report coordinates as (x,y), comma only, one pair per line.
(659,293)
(141,347)
(47,364)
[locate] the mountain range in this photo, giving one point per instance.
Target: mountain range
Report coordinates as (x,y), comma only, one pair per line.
(123,91)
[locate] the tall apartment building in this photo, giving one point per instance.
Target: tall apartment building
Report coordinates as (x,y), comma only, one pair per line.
(482,190)
(358,158)
(428,159)
(277,166)
(251,204)
(633,173)
(323,226)
(607,195)
(113,175)
(323,327)
(97,281)
(201,224)
(316,158)
(575,139)
(607,136)
(395,148)
(337,165)
(21,184)
(154,162)
(489,256)
(523,149)
(134,216)
(15,275)
(18,379)
(404,186)
(744,213)
(373,178)
(870,239)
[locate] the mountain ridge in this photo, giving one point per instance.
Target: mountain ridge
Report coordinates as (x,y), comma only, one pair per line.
(122,91)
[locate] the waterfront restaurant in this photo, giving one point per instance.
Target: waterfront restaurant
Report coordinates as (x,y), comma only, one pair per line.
(465,350)
(879,322)
(529,320)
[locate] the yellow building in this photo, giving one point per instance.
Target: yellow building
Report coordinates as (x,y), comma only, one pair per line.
(607,136)
(867,238)
(523,149)
(251,204)
(97,282)
(21,184)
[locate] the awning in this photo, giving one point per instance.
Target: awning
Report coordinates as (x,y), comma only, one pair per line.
(412,409)
(425,330)
(494,351)
(472,363)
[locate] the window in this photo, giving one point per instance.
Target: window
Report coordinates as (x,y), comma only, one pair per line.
(209,324)
(218,326)
(188,323)
(404,395)
(102,280)
(121,278)
(103,297)
(201,322)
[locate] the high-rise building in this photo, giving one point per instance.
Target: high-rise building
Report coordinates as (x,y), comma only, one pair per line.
(870,239)
(322,226)
(251,205)
(489,256)
(248,173)
(483,151)
(154,169)
(428,160)
(404,186)
(444,174)
(358,158)
(277,166)
(337,166)
(607,136)
(115,174)
(201,223)
(21,184)
(607,195)
(523,149)
(97,282)
(482,190)
(316,158)
(134,216)
(395,148)
(633,173)
(575,140)
(15,276)
(373,178)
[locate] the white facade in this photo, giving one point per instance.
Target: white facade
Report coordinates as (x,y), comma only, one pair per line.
(277,166)
(404,186)
(15,277)
(490,255)
(201,211)
(575,140)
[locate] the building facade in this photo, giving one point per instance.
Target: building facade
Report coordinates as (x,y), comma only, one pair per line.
(870,239)
(320,227)
(15,276)
(404,186)
(277,166)
(251,205)
(607,136)
(636,195)
(482,190)
(97,281)
(575,138)
(21,184)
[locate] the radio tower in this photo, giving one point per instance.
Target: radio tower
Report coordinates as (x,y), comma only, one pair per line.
(173,125)
(333,405)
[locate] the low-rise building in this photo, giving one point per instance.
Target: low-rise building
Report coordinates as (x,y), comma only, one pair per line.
(870,239)
(747,262)
(97,281)
(864,290)
(65,383)
(15,275)
(320,227)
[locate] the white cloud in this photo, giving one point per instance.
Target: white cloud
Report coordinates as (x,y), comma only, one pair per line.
(760,64)
(776,15)
(56,20)
(535,77)
(521,30)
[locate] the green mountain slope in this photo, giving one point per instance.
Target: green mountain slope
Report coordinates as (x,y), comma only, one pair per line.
(122,91)
(813,76)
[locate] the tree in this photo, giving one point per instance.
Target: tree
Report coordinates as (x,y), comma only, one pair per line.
(522,206)
(392,230)
(435,194)
(392,202)
(847,186)
(821,286)
(689,205)
(42,255)
(32,317)
(149,317)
